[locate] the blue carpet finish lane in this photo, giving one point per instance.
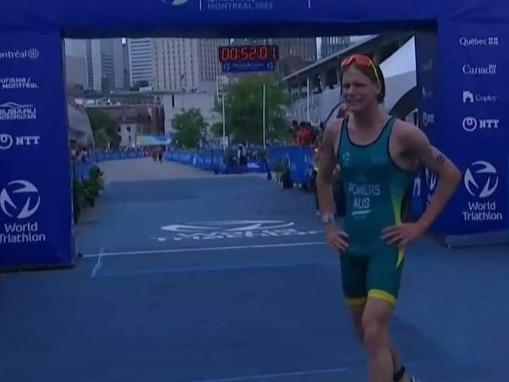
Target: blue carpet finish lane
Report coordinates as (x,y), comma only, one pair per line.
(266,313)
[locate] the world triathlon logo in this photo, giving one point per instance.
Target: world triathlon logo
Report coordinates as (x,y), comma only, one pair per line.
(20,199)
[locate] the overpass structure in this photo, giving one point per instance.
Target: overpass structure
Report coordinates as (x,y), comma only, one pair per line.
(315,89)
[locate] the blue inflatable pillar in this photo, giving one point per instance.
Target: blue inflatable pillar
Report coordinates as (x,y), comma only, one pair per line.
(35,181)
(426,49)
(463,110)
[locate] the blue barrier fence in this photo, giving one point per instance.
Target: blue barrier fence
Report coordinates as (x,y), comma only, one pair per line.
(81,169)
(214,160)
(298,158)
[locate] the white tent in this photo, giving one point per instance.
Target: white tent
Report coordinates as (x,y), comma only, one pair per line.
(400,77)
(399,72)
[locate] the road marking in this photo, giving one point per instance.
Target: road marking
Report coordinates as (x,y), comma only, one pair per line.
(277,375)
(205,249)
(339,370)
(113,274)
(98,264)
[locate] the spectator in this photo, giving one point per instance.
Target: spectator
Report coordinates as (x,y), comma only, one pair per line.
(316,165)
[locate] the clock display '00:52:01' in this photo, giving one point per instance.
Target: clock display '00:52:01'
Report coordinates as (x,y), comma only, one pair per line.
(248,53)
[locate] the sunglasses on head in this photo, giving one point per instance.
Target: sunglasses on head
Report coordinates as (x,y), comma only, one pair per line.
(361,60)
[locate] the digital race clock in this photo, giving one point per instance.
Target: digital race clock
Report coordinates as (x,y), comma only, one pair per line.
(254,53)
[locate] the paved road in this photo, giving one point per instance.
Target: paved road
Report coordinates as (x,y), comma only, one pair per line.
(194,278)
(135,170)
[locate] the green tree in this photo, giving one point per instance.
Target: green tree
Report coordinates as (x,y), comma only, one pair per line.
(188,125)
(217,129)
(101,138)
(104,128)
(243,104)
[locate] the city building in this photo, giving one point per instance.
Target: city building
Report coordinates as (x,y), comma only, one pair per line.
(210,67)
(333,44)
(304,48)
(140,61)
(126,66)
(103,72)
(99,61)
(76,73)
(295,54)
(185,64)
(175,64)
(133,119)
(250,41)
(316,89)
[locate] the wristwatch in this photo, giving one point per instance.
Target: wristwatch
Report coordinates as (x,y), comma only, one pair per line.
(328,218)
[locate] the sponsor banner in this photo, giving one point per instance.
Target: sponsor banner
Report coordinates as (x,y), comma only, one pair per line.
(196,18)
(426,45)
(35,195)
(473,125)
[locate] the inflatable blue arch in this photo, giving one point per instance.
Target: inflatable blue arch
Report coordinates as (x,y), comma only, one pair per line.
(462,58)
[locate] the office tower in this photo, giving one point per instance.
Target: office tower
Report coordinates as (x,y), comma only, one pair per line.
(125,59)
(250,41)
(103,62)
(103,67)
(185,64)
(75,48)
(295,53)
(140,61)
(175,64)
(210,67)
(119,68)
(76,63)
(333,44)
(304,48)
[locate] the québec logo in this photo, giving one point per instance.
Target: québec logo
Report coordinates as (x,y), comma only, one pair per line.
(20,199)
(481,179)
